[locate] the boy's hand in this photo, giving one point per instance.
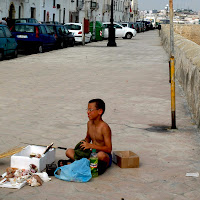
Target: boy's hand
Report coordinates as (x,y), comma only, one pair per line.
(85,145)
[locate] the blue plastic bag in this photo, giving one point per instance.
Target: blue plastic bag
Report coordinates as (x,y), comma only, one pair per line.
(78,171)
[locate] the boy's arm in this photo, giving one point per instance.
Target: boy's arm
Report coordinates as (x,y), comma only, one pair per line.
(87,138)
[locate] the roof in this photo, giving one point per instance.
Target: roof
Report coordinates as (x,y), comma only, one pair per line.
(73,23)
(32,24)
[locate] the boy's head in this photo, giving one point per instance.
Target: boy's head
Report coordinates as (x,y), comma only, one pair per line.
(99,104)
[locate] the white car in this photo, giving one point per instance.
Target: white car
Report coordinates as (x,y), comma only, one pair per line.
(77,31)
(120,31)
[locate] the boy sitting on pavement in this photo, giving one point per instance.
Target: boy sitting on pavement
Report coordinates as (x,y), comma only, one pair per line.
(99,133)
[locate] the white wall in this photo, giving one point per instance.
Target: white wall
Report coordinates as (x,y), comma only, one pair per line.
(70,7)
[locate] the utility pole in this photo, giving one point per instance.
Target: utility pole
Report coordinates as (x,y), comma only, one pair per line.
(172,67)
(111,34)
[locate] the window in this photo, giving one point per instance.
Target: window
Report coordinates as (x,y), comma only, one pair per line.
(19,11)
(20,21)
(54,3)
(33,21)
(44,17)
(43,30)
(1,33)
(106,25)
(66,30)
(8,33)
(47,29)
(117,26)
(59,30)
(73,27)
(32,12)
(24,28)
(62,29)
(63,15)
(51,29)
(124,25)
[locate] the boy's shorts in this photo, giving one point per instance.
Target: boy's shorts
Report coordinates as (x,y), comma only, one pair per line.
(110,161)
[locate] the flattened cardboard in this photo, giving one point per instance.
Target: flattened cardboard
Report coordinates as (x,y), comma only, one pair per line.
(7,184)
(126,159)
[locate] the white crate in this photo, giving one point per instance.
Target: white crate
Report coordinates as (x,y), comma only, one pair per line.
(22,160)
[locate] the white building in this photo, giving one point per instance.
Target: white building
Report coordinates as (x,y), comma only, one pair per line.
(65,10)
(134,14)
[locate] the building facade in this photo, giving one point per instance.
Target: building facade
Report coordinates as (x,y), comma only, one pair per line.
(134,13)
(65,11)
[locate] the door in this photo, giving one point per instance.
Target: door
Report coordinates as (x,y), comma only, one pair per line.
(44,37)
(11,43)
(3,40)
(119,30)
(50,37)
(105,33)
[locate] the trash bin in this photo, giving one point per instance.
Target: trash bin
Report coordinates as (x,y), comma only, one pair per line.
(98,31)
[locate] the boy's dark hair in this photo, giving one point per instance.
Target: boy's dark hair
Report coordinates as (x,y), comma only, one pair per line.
(99,104)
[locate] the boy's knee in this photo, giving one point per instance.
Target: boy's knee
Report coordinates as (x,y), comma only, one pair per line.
(103,156)
(69,152)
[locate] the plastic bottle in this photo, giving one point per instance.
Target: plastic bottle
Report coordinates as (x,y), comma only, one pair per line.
(94,163)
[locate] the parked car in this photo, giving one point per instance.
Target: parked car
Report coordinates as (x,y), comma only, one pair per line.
(141,26)
(63,37)
(120,31)
(77,31)
(11,22)
(147,25)
(26,20)
(51,22)
(36,37)
(8,44)
(133,25)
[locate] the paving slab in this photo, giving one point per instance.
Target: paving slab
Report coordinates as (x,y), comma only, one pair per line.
(44,99)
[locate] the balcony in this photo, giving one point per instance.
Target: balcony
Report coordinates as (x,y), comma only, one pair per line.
(94,5)
(79,5)
(106,8)
(126,4)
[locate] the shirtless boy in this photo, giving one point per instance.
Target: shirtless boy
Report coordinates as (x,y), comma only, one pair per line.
(99,133)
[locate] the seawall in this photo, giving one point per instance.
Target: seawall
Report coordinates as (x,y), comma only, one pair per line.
(187,64)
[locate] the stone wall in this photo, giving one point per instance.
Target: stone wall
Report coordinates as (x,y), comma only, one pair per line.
(187,65)
(191,32)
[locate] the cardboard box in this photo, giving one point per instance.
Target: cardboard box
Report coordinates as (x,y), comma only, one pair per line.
(22,160)
(126,159)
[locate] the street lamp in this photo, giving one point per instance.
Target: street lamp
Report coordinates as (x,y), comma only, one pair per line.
(111,33)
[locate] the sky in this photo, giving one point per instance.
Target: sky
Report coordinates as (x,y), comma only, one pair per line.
(160,4)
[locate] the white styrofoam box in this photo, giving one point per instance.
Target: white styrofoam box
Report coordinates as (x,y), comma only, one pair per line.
(22,160)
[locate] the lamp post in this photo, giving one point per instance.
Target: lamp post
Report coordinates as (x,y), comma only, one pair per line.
(111,31)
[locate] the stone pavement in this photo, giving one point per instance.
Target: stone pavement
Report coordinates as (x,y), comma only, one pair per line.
(44,99)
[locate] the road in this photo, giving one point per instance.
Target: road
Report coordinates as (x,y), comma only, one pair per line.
(44,99)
